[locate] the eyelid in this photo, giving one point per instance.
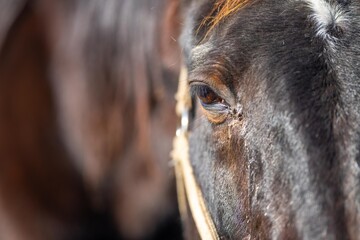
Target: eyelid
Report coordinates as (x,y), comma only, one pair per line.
(219,107)
(225,94)
(195,84)
(207,80)
(216,112)
(212,79)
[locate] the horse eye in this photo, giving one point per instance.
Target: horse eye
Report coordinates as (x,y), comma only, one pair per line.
(206,95)
(215,107)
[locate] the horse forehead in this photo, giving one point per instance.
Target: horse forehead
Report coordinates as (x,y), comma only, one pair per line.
(326,16)
(200,52)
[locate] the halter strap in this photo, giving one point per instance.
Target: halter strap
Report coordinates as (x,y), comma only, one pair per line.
(187,187)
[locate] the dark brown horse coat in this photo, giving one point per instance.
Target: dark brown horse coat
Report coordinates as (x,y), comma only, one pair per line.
(275,139)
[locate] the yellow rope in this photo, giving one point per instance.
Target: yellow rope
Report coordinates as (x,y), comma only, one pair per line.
(187,186)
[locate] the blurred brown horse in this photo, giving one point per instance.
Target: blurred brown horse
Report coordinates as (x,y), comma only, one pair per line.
(84,147)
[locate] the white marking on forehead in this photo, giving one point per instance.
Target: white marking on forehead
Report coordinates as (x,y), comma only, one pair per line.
(325,15)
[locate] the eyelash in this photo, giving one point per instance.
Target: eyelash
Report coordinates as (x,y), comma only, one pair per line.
(209,99)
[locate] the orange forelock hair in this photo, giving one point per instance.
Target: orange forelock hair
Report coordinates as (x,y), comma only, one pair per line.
(221,10)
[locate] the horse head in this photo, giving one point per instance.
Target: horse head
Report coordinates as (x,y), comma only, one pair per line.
(274,140)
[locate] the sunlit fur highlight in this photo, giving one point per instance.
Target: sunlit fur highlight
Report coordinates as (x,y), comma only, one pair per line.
(222,9)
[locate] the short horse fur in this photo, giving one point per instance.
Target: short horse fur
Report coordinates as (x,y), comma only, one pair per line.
(275,138)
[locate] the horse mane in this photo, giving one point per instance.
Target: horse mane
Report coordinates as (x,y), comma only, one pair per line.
(221,10)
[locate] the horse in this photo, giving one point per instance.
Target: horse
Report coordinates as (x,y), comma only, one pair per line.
(87,118)
(274,124)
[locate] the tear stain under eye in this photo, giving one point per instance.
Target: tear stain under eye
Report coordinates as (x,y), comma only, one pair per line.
(237,117)
(237,112)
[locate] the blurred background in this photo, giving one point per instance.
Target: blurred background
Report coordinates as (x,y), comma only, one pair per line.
(87,117)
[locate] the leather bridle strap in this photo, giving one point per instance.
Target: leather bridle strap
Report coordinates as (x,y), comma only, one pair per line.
(187,188)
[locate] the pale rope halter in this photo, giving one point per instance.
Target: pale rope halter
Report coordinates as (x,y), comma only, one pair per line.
(187,188)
